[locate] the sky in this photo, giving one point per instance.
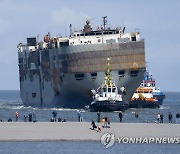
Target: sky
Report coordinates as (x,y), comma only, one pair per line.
(157,20)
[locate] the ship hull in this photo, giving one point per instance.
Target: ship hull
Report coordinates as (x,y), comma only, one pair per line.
(107,106)
(64,77)
(159,97)
(143,104)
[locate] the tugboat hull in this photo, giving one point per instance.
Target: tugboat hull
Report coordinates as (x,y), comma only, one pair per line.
(107,106)
(144,104)
(160,97)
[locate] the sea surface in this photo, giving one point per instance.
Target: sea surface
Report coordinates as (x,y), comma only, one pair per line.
(10,102)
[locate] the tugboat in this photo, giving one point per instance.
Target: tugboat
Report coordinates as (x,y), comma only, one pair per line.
(106,97)
(147,95)
(143,98)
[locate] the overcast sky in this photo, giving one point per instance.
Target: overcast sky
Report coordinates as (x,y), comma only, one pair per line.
(157,20)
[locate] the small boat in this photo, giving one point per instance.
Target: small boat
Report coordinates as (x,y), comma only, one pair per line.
(106,97)
(147,95)
(143,98)
(149,82)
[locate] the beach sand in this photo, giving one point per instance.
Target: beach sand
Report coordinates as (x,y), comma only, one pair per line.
(76,131)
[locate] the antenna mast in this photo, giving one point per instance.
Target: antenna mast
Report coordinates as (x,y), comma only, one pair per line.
(70,28)
(104,22)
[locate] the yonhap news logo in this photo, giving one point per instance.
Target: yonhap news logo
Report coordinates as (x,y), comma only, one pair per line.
(157,140)
(109,139)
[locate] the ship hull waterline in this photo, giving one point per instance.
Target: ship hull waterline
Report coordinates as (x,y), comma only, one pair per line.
(108,106)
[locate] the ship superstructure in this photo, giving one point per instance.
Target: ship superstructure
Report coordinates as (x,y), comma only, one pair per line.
(62,70)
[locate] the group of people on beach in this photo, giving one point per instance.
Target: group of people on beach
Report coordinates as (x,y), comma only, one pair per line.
(54,117)
(31,117)
(106,123)
(160,117)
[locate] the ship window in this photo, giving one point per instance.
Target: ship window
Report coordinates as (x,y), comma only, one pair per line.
(121,73)
(79,76)
(64,44)
(133,38)
(134,73)
(105,33)
(33,95)
(93,74)
(99,33)
(109,89)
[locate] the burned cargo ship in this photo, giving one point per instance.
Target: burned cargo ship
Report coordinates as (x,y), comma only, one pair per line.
(61,71)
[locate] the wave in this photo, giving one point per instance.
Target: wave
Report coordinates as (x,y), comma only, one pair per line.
(164,107)
(20,106)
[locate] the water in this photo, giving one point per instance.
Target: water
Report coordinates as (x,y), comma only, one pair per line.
(10,102)
(85,148)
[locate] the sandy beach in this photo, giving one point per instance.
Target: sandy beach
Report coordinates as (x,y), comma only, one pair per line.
(75,131)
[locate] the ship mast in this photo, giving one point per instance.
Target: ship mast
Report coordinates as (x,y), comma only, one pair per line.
(108,76)
(104,22)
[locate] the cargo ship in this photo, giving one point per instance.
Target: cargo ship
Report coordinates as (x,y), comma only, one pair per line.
(61,71)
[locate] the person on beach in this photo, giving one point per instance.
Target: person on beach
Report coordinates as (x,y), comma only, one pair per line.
(120,116)
(54,113)
(30,117)
(25,117)
(9,120)
(158,117)
(136,115)
(81,116)
(109,122)
(178,118)
(0,120)
(17,115)
(34,117)
(98,117)
(170,116)
(99,129)
(59,119)
(161,118)
(105,122)
(93,125)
